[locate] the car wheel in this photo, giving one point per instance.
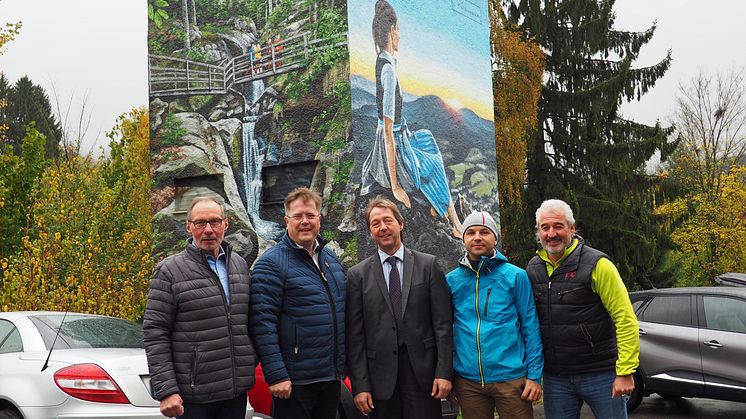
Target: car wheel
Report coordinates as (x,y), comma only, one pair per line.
(10,414)
(635,398)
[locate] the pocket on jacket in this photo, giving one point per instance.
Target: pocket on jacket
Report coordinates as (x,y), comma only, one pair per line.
(371,354)
(195,365)
(429,342)
(296,342)
(587,336)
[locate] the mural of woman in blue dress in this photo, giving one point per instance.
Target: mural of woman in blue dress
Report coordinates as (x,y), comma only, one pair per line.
(402,160)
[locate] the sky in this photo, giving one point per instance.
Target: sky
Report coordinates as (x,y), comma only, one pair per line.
(97,50)
(85,50)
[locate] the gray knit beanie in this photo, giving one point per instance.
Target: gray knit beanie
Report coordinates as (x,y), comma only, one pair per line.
(479,218)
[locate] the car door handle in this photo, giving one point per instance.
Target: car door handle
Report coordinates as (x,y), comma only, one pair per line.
(643,332)
(713,344)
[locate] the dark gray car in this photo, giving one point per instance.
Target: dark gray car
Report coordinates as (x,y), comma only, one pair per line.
(692,343)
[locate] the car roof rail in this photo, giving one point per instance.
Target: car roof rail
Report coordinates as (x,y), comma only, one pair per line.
(732,279)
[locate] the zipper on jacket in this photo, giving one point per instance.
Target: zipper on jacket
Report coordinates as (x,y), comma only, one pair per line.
(333,309)
(562,293)
(479,326)
(194,366)
(228,318)
(227,312)
(587,336)
(295,339)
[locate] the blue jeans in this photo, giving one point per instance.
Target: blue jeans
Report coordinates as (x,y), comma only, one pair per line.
(564,396)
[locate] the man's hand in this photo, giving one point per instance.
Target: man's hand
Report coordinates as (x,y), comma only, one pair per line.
(531,391)
(282,389)
(441,388)
(623,386)
(172,406)
(364,402)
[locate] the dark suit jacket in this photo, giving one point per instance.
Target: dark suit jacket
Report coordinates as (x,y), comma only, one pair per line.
(426,327)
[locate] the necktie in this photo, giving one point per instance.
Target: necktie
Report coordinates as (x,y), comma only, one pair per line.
(395,288)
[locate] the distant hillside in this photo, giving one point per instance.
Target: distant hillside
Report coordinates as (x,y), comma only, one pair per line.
(456,131)
(364,92)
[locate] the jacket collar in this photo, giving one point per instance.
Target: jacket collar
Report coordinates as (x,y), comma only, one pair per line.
(320,243)
(197,252)
(576,243)
(488,262)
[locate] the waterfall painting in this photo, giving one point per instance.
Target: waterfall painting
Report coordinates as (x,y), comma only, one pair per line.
(251,99)
(248,100)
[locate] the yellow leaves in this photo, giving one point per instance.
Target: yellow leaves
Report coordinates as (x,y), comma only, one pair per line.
(517,84)
(9,33)
(102,210)
(710,230)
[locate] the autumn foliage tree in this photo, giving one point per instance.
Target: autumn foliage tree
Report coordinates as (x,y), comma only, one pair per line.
(7,34)
(89,247)
(19,179)
(704,209)
(518,67)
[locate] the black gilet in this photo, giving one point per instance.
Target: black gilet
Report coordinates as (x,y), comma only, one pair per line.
(379,92)
(576,330)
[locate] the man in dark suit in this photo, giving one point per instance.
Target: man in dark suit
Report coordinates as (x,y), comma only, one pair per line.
(399,325)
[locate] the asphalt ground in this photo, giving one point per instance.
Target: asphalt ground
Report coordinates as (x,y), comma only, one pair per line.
(655,407)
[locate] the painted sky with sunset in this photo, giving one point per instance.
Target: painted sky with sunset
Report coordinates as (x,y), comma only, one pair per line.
(442,52)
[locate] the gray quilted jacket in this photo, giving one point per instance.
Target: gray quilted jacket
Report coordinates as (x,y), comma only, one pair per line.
(196,345)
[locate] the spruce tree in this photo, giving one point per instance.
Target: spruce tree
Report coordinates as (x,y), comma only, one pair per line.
(26,103)
(584,152)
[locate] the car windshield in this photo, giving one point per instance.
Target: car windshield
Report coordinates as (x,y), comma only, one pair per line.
(83,331)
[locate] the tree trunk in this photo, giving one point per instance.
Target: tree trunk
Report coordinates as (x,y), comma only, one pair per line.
(194,14)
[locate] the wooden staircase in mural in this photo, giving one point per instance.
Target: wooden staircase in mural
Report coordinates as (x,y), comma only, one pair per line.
(172,76)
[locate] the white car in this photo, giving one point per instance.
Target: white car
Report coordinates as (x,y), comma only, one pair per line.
(97,367)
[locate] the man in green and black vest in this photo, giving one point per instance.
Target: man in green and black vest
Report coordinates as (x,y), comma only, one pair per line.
(588,327)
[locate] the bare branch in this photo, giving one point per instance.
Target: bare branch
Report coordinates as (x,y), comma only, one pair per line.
(74,123)
(711,120)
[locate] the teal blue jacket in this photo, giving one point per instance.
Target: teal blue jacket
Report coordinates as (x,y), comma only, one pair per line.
(496,335)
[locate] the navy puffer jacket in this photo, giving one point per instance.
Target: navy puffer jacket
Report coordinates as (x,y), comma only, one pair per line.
(297,314)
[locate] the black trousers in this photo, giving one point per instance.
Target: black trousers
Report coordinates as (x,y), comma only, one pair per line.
(308,401)
(227,409)
(408,400)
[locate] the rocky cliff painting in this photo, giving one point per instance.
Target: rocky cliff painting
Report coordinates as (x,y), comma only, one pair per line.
(251,99)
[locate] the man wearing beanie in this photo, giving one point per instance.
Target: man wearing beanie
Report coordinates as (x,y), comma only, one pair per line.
(497,343)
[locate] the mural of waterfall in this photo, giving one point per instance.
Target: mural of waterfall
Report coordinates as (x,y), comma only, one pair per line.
(253,158)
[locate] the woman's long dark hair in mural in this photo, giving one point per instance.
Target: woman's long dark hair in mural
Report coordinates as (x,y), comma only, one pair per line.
(400,159)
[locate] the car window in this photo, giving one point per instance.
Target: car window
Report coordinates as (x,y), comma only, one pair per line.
(637,302)
(723,313)
(88,331)
(669,309)
(10,339)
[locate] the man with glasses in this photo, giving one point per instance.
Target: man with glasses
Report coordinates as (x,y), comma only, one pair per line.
(195,328)
(298,315)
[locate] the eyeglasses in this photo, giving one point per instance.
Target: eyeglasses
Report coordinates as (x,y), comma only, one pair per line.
(214,223)
(299,217)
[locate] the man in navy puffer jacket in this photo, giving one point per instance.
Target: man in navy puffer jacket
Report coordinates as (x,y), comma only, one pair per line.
(297,315)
